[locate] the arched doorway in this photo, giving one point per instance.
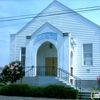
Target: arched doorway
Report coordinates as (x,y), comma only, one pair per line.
(47,59)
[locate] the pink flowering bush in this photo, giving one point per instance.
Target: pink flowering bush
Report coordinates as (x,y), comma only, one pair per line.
(12,72)
(98,80)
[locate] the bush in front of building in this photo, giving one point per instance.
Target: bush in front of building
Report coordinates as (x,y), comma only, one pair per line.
(15,90)
(98,80)
(12,72)
(50,91)
(37,91)
(60,91)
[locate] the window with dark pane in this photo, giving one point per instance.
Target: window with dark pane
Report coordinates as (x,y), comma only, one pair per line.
(50,45)
(87,54)
(23,52)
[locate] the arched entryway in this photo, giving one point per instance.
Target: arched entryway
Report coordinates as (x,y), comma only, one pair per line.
(47,59)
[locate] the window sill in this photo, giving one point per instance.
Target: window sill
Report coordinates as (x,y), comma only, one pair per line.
(87,65)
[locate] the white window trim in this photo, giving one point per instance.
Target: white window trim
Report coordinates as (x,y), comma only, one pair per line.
(83,55)
(21,53)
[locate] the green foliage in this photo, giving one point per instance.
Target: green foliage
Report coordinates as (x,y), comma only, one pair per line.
(15,90)
(1,80)
(37,91)
(12,72)
(50,91)
(60,91)
(4,90)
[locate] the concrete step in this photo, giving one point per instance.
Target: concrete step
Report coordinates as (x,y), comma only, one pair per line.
(45,80)
(63,82)
(84,95)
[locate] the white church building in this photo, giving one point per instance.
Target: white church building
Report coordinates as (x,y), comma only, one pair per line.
(59,40)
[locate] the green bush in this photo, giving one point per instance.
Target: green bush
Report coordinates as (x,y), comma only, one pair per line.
(15,90)
(50,91)
(71,93)
(60,91)
(37,91)
(54,91)
(4,90)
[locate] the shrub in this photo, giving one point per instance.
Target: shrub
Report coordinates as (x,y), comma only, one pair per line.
(71,93)
(60,91)
(98,80)
(50,91)
(37,91)
(4,90)
(15,90)
(12,72)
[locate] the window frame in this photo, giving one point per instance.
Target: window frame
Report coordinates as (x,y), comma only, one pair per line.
(83,54)
(22,55)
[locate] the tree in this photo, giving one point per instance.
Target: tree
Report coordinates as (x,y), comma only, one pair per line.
(12,72)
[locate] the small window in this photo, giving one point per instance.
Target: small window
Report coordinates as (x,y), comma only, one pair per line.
(23,52)
(50,45)
(87,54)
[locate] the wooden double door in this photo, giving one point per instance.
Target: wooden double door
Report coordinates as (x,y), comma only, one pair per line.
(51,66)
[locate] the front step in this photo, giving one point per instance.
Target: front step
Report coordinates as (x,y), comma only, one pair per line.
(84,95)
(44,80)
(63,82)
(62,77)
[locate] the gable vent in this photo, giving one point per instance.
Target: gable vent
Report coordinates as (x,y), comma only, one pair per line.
(65,34)
(28,37)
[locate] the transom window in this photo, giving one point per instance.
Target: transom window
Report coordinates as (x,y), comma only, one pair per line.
(87,54)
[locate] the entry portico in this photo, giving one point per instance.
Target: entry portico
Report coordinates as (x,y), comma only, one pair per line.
(48,47)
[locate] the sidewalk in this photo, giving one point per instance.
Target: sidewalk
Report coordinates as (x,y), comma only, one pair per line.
(27,98)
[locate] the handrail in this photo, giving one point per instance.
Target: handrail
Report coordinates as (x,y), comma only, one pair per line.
(54,71)
(28,70)
(69,73)
(77,79)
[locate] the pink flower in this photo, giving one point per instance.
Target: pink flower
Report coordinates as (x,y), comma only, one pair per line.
(16,64)
(98,78)
(12,67)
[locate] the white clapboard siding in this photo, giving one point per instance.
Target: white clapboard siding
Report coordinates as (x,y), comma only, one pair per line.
(12,47)
(81,32)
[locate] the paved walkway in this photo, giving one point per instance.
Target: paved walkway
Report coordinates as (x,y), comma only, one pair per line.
(27,98)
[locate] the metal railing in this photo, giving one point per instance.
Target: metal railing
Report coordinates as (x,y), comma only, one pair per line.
(54,71)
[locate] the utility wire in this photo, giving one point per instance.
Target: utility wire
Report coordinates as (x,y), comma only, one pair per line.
(70,12)
(24,23)
(46,15)
(87,8)
(4,41)
(13,25)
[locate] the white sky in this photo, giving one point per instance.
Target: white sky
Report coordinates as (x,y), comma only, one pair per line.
(10,8)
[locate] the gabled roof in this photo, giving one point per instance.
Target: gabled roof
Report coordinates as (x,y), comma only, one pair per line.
(47,25)
(77,16)
(81,18)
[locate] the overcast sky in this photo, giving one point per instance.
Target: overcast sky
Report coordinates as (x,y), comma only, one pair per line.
(10,8)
